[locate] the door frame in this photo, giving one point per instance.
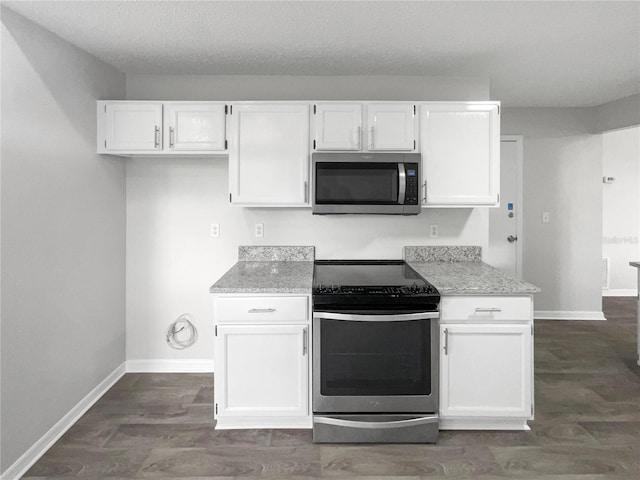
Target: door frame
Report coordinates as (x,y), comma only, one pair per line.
(519,141)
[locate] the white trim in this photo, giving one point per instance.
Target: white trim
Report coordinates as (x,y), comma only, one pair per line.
(157,365)
(567,315)
(228,423)
(619,292)
(476,423)
(31,456)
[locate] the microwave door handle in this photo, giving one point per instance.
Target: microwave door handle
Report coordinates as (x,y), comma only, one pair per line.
(402,183)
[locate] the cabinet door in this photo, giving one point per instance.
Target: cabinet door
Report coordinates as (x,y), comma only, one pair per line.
(269,155)
(338,126)
(391,126)
(195,126)
(261,370)
(133,126)
(461,154)
(485,370)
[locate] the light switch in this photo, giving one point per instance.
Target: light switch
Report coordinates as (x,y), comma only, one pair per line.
(215,230)
(259,230)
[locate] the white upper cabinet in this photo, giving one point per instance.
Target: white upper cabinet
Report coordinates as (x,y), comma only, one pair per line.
(269,154)
(391,126)
(338,126)
(460,153)
(341,127)
(195,126)
(131,126)
(161,128)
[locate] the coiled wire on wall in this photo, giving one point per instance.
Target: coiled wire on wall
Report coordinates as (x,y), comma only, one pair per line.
(185,340)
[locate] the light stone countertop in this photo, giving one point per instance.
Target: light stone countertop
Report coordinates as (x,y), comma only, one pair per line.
(279,277)
(471,278)
(289,270)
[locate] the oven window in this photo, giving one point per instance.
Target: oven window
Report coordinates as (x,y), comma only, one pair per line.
(356,183)
(375,358)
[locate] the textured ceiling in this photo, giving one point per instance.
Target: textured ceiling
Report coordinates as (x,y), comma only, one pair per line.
(534,53)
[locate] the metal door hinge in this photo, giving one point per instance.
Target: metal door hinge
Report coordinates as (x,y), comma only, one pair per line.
(105,109)
(414,110)
(498,109)
(105,144)
(229,198)
(414,144)
(226,109)
(216,408)
(226,145)
(216,330)
(230,109)
(314,144)
(314,109)
(498,198)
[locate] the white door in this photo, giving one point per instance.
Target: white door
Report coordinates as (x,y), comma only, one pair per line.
(338,126)
(261,370)
(505,222)
(133,126)
(485,370)
(195,126)
(269,155)
(391,126)
(460,153)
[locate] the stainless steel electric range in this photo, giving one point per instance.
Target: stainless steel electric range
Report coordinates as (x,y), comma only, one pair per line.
(375,353)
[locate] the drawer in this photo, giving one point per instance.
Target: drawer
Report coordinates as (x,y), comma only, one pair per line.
(486,308)
(261,309)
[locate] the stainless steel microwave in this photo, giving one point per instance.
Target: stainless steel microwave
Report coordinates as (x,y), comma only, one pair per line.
(370,183)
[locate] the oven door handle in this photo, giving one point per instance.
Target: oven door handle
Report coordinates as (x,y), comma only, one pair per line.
(412,422)
(352,317)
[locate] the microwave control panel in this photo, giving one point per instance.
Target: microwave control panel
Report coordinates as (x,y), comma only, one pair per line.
(411,193)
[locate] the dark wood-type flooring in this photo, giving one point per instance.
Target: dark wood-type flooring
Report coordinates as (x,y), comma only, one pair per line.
(587,426)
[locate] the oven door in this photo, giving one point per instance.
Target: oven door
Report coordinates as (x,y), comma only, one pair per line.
(378,362)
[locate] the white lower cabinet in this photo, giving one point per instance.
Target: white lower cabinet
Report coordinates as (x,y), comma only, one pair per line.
(486,371)
(262,369)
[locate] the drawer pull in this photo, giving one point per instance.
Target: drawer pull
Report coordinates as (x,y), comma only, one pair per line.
(446,341)
(262,310)
(487,310)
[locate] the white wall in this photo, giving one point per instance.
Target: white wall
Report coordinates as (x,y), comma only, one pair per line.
(621,113)
(171,258)
(562,176)
(621,208)
(63,233)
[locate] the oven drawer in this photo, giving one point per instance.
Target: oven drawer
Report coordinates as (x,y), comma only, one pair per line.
(486,308)
(273,309)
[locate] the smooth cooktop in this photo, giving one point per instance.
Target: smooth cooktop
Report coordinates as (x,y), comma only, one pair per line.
(368,277)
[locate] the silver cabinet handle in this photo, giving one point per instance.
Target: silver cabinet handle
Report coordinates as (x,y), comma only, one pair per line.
(156,136)
(172,135)
(487,310)
(424,192)
(393,424)
(405,317)
(262,310)
(371,139)
(304,341)
(359,137)
(446,341)
(306,192)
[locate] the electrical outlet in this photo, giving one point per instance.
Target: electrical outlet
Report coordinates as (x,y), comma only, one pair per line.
(215,230)
(259,230)
(545,217)
(433,231)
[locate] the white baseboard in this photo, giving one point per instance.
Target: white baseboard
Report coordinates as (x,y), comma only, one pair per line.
(31,456)
(567,315)
(169,366)
(619,292)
